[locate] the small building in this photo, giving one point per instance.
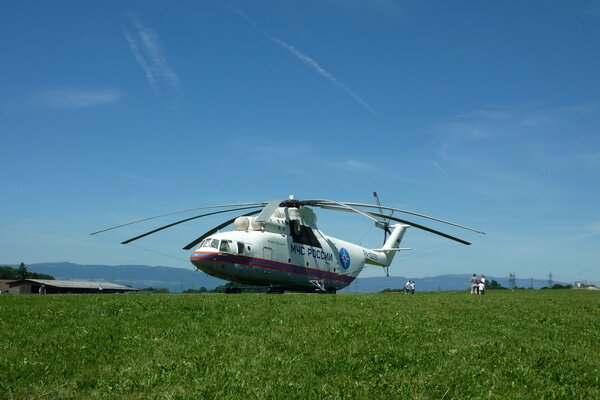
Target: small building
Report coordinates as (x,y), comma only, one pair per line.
(4,285)
(55,286)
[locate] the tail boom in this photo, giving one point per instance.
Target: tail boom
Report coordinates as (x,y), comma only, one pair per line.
(383,257)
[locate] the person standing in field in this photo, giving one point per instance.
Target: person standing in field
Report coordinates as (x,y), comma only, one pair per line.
(473,282)
(482,284)
(407,287)
(412,287)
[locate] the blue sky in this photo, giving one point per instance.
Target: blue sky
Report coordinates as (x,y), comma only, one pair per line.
(482,113)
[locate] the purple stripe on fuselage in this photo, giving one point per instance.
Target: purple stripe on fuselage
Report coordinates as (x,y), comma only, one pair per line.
(260,262)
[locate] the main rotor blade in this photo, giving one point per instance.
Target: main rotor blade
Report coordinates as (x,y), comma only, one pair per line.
(383,225)
(337,205)
(215,229)
(260,204)
(422,227)
(181,222)
(328,204)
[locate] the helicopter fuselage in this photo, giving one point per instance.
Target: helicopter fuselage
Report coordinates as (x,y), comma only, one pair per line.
(283,254)
(269,259)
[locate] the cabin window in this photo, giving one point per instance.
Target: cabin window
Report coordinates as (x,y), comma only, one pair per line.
(225,246)
(240,247)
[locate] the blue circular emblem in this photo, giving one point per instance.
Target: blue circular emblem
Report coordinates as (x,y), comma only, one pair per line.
(344,258)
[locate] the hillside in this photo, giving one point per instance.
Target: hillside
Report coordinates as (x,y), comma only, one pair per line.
(180,279)
(138,276)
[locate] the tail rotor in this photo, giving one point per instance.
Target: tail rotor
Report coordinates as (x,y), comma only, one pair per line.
(384,223)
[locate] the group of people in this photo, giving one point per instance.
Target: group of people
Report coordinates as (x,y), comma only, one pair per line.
(409,287)
(477,284)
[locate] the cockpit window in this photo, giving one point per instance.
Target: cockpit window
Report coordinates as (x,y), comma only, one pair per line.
(212,243)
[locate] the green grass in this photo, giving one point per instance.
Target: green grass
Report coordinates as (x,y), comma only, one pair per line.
(523,344)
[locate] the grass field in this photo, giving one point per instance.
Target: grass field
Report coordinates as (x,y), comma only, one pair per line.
(444,345)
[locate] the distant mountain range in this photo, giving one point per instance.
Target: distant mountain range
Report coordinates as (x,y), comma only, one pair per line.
(434,283)
(180,279)
(138,276)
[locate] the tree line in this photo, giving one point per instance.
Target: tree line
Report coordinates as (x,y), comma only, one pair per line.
(218,289)
(8,272)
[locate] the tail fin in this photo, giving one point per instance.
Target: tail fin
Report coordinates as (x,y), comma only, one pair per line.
(392,245)
(386,255)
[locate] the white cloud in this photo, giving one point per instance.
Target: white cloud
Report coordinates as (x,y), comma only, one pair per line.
(497,152)
(321,71)
(287,150)
(307,60)
(479,124)
(523,121)
(75,98)
(591,160)
(301,159)
(355,165)
(589,231)
(439,167)
(388,8)
(136,178)
(146,49)
(140,59)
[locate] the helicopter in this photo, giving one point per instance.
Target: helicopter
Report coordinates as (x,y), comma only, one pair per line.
(282,248)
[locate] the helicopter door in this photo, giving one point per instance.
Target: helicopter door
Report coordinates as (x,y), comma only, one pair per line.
(240,247)
(267,253)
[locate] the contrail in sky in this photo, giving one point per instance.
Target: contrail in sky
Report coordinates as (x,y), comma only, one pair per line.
(149,55)
(140,59)
(305,59)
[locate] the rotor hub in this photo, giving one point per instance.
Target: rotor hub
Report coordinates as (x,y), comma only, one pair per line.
(293,203)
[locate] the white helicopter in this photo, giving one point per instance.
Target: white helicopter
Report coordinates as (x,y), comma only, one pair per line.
(283,250)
